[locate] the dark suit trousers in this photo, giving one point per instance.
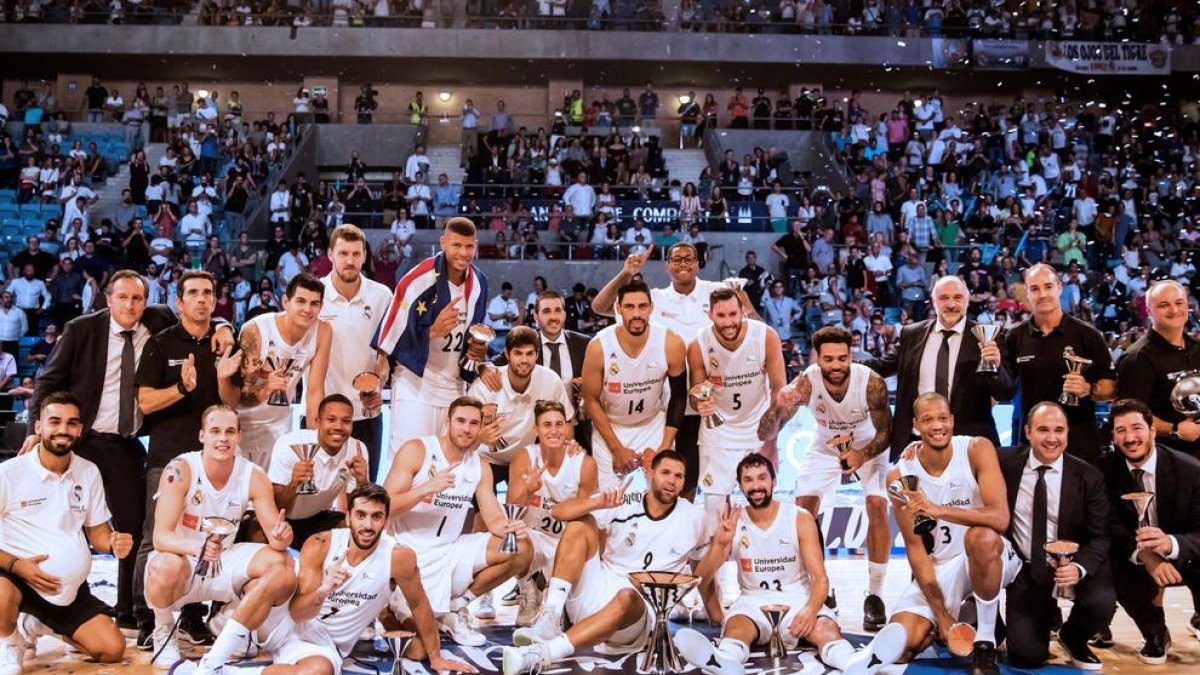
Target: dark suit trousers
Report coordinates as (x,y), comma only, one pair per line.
(687,443)
(1030,606)
(1137,592)
(370,432)
(122,464)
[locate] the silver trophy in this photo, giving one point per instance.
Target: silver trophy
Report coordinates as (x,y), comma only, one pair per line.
(735,284)
(399,641)
(842,447)
(1058,551)
(986,334)
(219,529)
(1075,365)
(704,391)
(366,384)
(1185,395)
(279,397)
(1140,501)
(490,414)
(663,590)
(477,335)
(514,512)
(776,649)
(922,523)
(306,452)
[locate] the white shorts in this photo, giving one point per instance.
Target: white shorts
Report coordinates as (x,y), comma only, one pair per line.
(598,585)
(718,468)
(544,548)
(259,436)
(414,419)
(289,644)
(446,572)
(226,586)
(820,473)
(954,578)
(749,605)
(637,439)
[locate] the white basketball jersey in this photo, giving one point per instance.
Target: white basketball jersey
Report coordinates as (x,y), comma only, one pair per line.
(438,519)
(204,501)
(634,388)
(742,390)
(955,487)
(769,560)
(351,608)
(638,542)
(559,487)
(851,415)
(301,354)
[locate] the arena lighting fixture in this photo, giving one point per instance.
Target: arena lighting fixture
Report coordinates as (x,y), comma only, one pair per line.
(685,99)
(636,130)
(201,93)
(444,96)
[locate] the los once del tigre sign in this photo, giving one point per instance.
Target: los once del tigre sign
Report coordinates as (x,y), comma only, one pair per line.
(1109,58)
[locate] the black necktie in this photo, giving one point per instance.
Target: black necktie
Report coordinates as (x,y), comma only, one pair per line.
(127,400)
(941,376)
(555,357)
(1037,539)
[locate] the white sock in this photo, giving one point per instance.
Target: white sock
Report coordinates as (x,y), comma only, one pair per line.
(163,617)
(457,604)
(986,611)
(556,594)
(876,573)
(33,628)
(559,648)
(468,596)
(232,636)
(735,650)
(837,654)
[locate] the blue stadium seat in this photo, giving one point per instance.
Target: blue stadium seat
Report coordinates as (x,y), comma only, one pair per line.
(891,315)
(32,208)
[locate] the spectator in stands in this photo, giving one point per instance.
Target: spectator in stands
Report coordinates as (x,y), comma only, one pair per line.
(469,141)
(66,292)
(30,296)
(291,263)
(420,199)
(281,204)
(778,204)
(738,108)
(445,199)
(13,324)
(637,238)
(913,282)
(758,279)
(781,311)
(580,196)
(194,228)
(93,99)
(503,312)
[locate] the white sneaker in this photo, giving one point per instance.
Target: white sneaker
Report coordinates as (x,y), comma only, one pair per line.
(167,651)
(11,659)
(528,604)
(531,659)
(690,609)
(458,626)
(485,609)
(184,667)
(886,649)
(701,653)
(546,626)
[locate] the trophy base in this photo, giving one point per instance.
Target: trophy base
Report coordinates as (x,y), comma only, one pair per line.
(924,526)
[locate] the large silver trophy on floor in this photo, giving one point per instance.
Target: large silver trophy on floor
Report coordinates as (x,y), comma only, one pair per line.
(663,590)
(776,649)
(398,640)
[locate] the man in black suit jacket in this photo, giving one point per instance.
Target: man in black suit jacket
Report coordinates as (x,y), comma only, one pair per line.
(1167,551)
(88,364)
(1076,509)
(915,363)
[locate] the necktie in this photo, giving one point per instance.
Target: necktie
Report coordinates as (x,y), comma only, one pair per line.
(555,357)
(941,376)
(128,371)
(1139,485)
(1037,539)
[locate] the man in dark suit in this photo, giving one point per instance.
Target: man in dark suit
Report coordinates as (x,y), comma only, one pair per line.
(941,355)
(96,361)
(1164,549)
(1054,496)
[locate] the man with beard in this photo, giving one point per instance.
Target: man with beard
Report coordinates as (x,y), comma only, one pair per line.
(961,487)
(1161,549)
(276,349)
(339,466)
(544,475)
(52,509)
(659,532)
(624,372)
(850,404)
(199,489)
(354,307)
(346,578)
(432,484)
(780,562)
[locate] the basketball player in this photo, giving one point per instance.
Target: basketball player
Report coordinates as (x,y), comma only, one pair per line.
(780,562)
(346,578)
(624,371)
(660,532)
(425,332)
(540,477)
(215,483)
(850,404)
(962,488)
(293,342)
(432,483)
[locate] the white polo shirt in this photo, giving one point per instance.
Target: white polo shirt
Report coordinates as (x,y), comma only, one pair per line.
(326,469)
(354,322)
(44,513)
(517,428)
(685,315)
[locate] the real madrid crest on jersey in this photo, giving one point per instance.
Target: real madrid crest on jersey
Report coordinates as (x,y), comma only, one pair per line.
(197,498)
(708,480)
(713,364)
(744,542)
(613,369)
(77,493)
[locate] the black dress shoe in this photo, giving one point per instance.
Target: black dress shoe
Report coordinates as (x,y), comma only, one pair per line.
(127,625)
(144,642)
(1079,654)
(831,600)
(193,629)
(984,660)
(1154,652)
(1056,621)
(874,613)
(1103,639)
(510,598)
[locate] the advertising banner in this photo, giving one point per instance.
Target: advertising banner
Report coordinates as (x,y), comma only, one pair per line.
(1109,58)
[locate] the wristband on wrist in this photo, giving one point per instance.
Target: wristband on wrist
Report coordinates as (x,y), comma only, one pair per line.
(12,563)
(182,389)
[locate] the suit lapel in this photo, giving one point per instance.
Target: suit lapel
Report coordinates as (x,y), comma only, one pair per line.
(1164,489)
(1068,500)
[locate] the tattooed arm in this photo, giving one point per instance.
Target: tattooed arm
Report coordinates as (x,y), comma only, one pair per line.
(881,416)
(787,401)
(252,379)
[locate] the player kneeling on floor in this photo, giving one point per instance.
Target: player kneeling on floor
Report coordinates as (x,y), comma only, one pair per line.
(197,489)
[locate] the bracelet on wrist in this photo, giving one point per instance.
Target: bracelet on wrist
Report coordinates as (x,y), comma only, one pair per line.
(11,564)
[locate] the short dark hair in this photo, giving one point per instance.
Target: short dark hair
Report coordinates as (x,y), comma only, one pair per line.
(1125,406)
(333,398)
(664,455)
(194,274)
(831,335)
(521,336)
(548,295)
(369,493)
(682,244)
(306,281)
(460,226)
(465,402)
(633,287)
(721,295)
(547,405)
(60,398)
(126,274)
(752,460)
(1040,406)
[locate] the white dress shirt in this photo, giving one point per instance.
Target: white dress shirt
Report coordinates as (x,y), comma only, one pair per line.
(564,355)
(108,414)
(1023,511)
(30,293)
(13,324)
(928,371)
(1150,467)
